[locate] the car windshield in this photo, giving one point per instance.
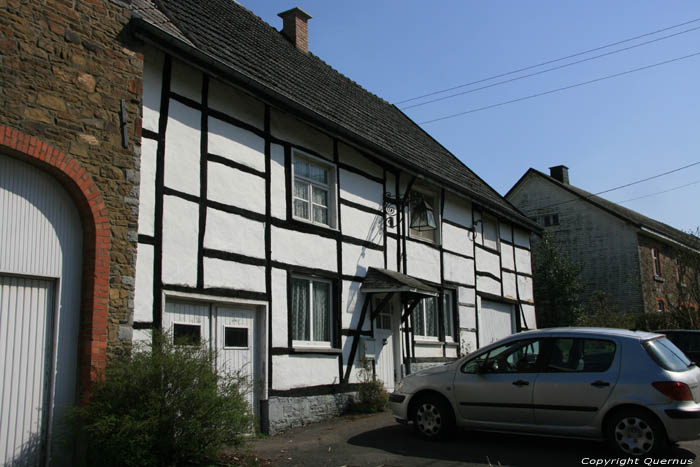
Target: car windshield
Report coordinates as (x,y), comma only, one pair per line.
(666,354)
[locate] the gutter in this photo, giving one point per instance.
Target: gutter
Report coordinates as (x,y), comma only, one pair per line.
(155,36)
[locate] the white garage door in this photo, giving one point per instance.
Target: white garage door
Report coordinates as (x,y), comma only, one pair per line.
(230,330)
(40,277)
(496,321)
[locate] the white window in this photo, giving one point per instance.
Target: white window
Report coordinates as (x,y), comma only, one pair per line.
(311,311)
(314,191)
(431,202)
(448,310)
(426,318)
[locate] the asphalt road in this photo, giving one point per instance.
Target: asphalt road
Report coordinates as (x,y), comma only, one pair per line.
(377,440)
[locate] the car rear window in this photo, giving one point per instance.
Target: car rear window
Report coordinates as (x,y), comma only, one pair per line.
(667,355)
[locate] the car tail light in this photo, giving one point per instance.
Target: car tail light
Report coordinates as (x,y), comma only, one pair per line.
(674,389)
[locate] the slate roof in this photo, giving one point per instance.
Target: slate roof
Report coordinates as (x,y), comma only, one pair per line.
(384,280)
(628,215)
(234,37)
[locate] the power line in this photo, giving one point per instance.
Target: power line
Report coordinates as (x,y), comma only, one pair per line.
(499,83)
(625,185)
(660,192)
(552,91)
(548,62)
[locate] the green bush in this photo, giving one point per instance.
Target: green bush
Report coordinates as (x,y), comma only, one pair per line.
(162,407)
(371,396)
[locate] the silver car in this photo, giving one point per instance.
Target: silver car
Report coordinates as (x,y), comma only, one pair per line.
(634,389)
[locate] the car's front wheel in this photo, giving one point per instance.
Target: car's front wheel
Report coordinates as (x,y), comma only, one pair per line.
(635,433)
(433,417)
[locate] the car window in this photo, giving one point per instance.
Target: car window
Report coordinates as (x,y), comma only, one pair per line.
(666,355)
(580,355)
(686,341)
(514,357)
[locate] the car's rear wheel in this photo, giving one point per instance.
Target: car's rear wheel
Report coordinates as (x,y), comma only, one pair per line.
(635,433)
(433,417)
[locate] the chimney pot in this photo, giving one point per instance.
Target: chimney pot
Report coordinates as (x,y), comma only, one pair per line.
(295,27)
(560,173)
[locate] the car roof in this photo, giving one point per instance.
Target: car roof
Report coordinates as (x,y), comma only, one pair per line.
(627,333)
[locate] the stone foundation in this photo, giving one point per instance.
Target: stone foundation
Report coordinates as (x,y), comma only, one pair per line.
(290,412)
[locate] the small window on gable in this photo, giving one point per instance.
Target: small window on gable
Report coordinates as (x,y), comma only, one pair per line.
(660,306)
(313,193)
(187,334)
(657,261)
(432,203)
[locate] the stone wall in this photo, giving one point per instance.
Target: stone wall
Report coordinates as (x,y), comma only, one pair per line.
(290,412)
(662,287)
(65,66)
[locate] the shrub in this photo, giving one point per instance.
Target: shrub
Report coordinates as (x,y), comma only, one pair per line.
(162,407)
(371,397)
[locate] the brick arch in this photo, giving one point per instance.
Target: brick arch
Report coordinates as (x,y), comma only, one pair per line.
(96,248)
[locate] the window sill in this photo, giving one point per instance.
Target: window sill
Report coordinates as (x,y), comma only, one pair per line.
(324,350)
(659,279)
(425,340)
(304,221)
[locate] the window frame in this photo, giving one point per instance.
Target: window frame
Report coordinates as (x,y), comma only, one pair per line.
(449,338)
(656,261)
(423,337)
(312,343)
(437,233)
(552,342)
(331,188)
(234,347)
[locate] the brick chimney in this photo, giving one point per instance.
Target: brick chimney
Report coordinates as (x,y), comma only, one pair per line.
(295,27)
(560,173)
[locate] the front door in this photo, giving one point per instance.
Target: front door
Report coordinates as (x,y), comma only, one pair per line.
(494,389)
(385,326)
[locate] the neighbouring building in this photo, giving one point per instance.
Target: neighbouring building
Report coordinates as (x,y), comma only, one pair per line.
(185,166)
(634,260)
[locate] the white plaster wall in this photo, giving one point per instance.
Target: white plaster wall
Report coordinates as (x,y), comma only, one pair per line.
(347,348)
(488,285)
(186,81)
(522,260)
(490,229)
(152,85)
(451,351)
(423,261)
(235,234)
(487,262)
(290,129)
(530,317)
(525,288)
(457,240)
(351,156)
(521,238)
(466,296)
(277,182)
(362,225)
(506,231)
(143,290)
(457,210)
(428,350)
(467,341)
(142,338)
(232,275)
(236,144)
(391,254)
(147,187)
(182,148)
(458,269)
(235,187)
(351,306)
(361,190)
(296,371)
(356,259)
(509,285)
(467,317)
(180,241)
(279,308)
(507,256)
(303,249)
(236,104)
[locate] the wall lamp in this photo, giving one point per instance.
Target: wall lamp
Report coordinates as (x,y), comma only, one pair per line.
(422,215)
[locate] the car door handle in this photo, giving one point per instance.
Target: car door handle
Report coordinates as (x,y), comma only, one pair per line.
(521,382)
(600,384)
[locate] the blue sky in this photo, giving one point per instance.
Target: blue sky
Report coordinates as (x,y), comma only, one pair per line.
(608,133)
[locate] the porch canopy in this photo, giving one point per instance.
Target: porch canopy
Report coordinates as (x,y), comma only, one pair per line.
(412,290)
